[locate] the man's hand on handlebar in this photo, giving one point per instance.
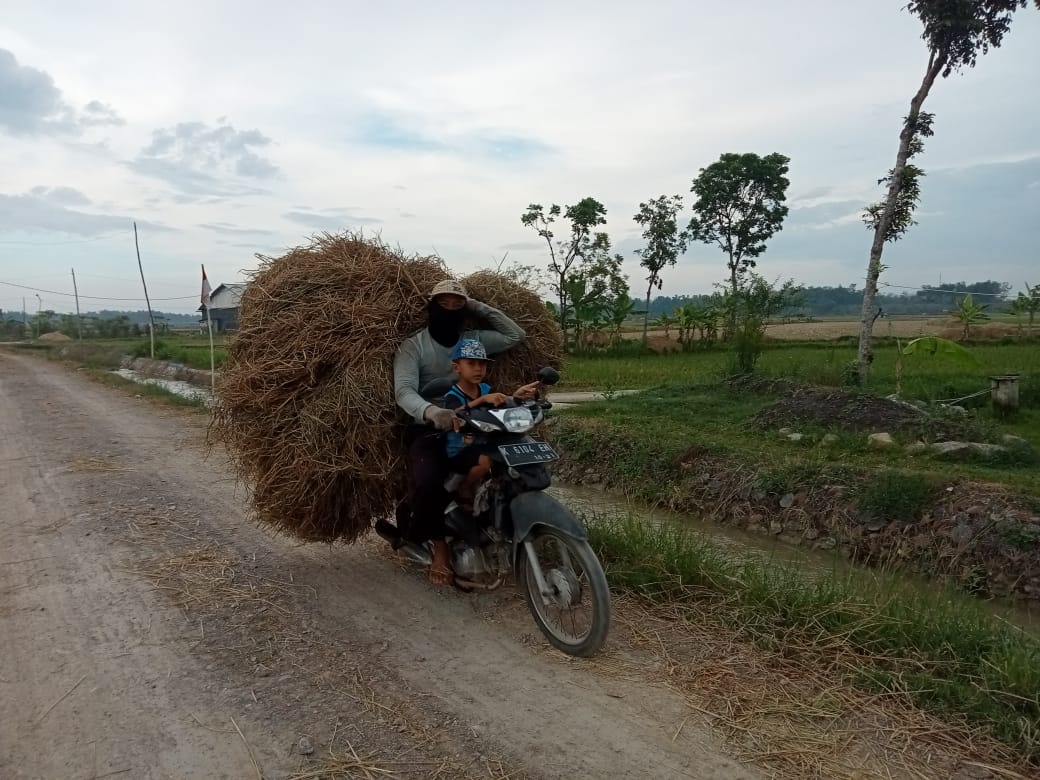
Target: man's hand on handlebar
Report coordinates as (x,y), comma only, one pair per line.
(441,419)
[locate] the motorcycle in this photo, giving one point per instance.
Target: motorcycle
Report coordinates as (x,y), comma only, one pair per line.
(517,528)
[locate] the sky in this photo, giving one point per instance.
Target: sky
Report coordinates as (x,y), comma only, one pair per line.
(228,129)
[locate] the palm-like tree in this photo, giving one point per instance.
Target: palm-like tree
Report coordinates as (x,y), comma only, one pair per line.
(969,313)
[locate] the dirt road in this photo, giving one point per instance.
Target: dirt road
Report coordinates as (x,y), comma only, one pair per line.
(150,630)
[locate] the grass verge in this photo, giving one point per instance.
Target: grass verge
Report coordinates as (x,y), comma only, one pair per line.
(922,377)
(146,390)
(948,654)
(641,440)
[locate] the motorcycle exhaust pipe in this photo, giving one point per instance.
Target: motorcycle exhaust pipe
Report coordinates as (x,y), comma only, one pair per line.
(416,552)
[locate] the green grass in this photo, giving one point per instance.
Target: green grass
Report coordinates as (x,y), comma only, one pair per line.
(924,378)
(897,495)
(639,439)
(188,352)
(949,653)
(191,351)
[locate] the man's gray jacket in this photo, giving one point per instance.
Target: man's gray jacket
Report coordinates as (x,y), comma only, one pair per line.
(420,359)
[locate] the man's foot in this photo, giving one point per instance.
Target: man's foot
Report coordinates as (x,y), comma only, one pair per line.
(440,569)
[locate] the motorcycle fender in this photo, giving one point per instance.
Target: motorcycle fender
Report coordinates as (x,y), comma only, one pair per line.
(535,508)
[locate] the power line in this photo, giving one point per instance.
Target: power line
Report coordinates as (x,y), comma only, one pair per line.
(953,292)
(92,297)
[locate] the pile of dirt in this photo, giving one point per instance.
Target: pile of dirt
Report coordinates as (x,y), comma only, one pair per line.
(852,411)
(305,404)
(55,336)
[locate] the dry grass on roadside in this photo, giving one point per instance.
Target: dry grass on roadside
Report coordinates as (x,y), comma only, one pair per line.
(205,576)
(336,766)
(351,765)
(794,710)
(93,465)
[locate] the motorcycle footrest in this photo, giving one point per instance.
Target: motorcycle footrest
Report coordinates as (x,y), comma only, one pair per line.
(389,531)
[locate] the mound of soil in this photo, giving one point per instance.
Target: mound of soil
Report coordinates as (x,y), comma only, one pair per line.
(851,411)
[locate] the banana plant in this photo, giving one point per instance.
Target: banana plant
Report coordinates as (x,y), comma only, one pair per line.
(969,313)
(933,346)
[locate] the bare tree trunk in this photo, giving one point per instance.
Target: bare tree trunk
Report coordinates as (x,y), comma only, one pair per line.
(646,314)
(731,320)
(865,354)
(561,313)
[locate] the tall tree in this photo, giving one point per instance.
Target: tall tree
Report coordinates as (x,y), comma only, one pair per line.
(739,207)
(583,244)
(664,242)
(956,32)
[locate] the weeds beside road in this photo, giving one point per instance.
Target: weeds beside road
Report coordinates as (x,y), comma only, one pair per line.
(939,648)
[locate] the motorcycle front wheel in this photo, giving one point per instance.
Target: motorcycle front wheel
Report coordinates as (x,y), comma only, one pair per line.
(575,613)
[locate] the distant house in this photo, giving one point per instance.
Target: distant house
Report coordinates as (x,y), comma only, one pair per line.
(223,307)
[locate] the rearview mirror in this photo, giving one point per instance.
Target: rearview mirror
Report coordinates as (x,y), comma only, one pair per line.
(548,376)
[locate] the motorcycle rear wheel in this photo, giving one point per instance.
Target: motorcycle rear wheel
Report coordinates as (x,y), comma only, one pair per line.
(578,586)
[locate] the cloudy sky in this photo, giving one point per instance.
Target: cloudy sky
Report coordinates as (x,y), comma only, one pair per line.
(225,129)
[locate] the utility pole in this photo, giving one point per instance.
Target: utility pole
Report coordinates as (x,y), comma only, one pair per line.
(79,321)
(151,320)
(39,309)
(23,314)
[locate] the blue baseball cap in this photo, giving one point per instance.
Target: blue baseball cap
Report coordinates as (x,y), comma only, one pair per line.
(469,348)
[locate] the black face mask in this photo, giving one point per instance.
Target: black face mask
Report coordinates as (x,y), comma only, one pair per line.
(445,325)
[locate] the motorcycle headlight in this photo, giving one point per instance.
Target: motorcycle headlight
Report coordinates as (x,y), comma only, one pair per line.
(482,425)
(517,420)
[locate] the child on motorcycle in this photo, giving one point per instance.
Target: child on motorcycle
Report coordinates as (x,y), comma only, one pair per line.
(469,362)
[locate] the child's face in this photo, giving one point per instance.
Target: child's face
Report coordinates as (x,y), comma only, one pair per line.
(470,370)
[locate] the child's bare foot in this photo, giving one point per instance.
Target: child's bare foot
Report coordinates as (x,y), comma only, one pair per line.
(465,501)
(440,569)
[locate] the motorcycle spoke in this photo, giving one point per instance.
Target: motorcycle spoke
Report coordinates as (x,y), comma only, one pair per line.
(568,620)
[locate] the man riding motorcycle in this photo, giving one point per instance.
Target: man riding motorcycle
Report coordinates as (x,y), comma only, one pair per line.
(422,358)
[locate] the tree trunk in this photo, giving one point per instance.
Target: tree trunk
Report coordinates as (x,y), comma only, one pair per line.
(646,314)
(561,315)
(731,320)
(865,353)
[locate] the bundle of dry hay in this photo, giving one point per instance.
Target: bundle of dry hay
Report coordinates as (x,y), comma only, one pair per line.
(305,403)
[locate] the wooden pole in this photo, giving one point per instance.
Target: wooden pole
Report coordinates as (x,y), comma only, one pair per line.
(212,359)
(79,320)
(151,320)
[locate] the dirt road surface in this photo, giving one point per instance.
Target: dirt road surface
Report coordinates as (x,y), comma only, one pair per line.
(149,630)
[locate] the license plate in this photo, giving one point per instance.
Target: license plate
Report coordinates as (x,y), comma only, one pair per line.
(526,454)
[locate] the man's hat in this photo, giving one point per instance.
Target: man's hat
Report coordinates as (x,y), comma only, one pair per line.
(470,348)
(448,287)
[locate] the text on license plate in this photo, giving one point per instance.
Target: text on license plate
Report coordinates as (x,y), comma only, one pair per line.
(528,453)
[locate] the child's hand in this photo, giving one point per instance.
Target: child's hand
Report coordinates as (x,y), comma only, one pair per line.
(496,399)
(527,392)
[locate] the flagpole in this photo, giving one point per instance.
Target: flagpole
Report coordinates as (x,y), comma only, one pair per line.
(209,326)
(212,360)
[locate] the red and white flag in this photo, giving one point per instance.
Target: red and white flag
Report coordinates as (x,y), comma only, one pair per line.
(206,289)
